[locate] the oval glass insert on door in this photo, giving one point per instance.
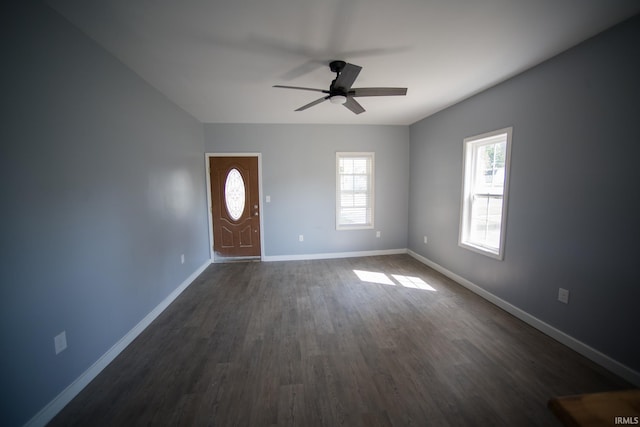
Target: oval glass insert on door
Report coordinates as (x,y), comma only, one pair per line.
(234,194)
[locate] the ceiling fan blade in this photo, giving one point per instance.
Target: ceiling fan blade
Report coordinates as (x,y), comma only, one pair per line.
(311,104)
(353,105)
(378,91)
(347,76)
(302,88)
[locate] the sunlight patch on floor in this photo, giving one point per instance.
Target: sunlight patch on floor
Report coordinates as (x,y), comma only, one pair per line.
(413,282)
(405,281)
(370,276)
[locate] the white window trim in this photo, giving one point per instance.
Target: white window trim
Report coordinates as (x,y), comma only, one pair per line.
(466,184)
(370,154)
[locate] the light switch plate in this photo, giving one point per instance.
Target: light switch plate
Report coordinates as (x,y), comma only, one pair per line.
(60,341)
(563,295)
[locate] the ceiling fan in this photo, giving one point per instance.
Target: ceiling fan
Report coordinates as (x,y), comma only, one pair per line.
(341,92)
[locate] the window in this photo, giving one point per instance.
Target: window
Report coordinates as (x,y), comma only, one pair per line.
(484,193)
(354,190)
(234,194)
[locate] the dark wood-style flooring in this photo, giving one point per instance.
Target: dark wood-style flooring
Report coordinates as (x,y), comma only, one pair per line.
(308,343)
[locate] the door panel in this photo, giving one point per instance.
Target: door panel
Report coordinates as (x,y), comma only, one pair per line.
(235,206)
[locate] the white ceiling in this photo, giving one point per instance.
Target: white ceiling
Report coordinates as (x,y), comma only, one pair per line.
(218,59)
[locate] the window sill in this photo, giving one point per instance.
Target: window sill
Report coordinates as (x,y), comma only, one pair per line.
(482,250)
(353,227)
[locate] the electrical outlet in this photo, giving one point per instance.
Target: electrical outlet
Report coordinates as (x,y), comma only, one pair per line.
(301,238)
(563,295)
(182,259)
(268,199)
(60,342)
(425,240)
(377,233)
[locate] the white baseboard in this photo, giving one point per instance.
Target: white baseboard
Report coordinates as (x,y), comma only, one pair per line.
(332,255)
(47,413)
(589,352)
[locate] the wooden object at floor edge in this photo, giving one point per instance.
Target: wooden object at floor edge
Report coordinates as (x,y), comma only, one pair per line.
(598,409)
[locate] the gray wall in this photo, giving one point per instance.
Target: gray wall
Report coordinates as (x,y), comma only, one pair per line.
(573,202)
(102,189)
(298,164)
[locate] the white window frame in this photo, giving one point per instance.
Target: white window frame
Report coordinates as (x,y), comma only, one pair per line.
(471,145)
(370,189)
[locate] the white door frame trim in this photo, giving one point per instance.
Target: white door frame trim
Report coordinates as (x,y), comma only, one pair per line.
(208,156)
